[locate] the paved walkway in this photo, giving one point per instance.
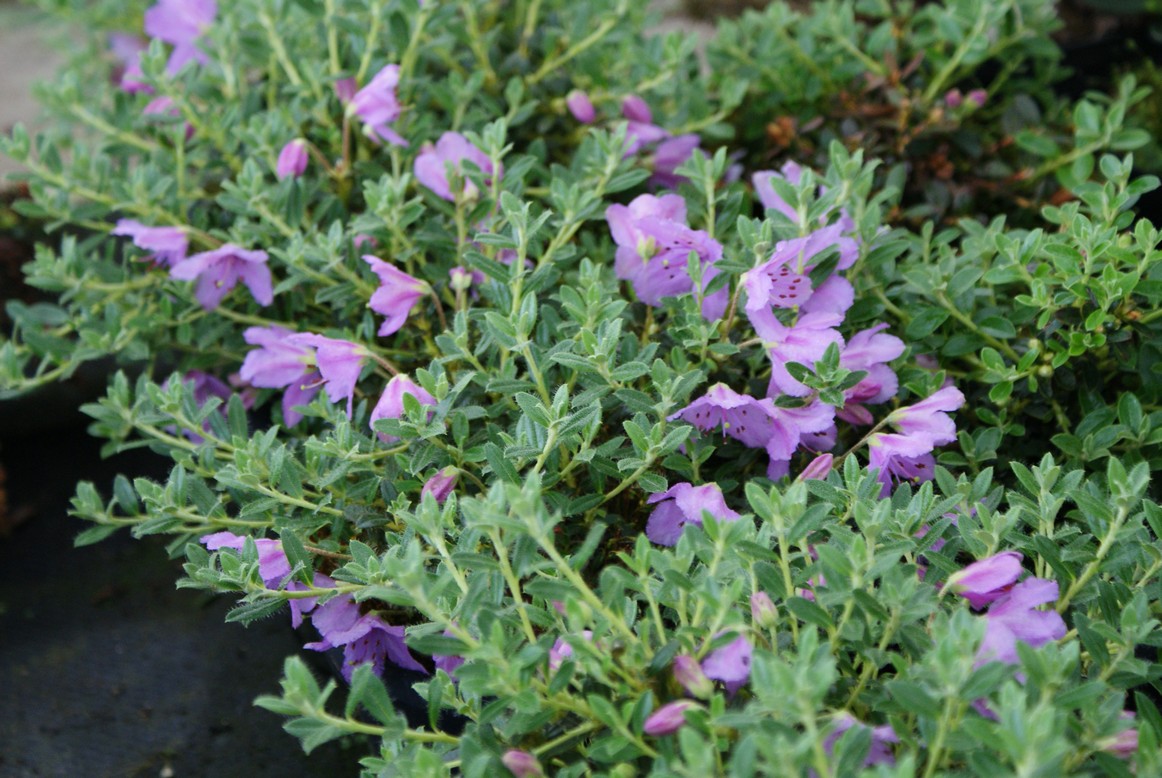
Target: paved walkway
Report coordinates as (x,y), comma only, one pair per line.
(28,53)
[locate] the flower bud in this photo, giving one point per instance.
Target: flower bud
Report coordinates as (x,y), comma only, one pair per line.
(345,89)
(441,484)
(292,160)
(762,611)
(581,107)
(818,468)
(688,673)
(977,97)
(522,764)
(953,98)
(668,719)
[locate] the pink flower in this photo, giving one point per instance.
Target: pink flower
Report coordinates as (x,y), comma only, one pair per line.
(580,106)
(281,362)
(684,504)
(869,351)
(522,764)
(365,637)
(168,244)
(791,172)
(817,469)
(1013,618)
(668,719)
(397,294)
(641,130)
(390,405)
(436,163)
(441,484)
(653,244)
(908,455)
(376,104)
(345,89)
(181,23)
(292,160)
(1124,744)
(562,649)
(987,579)
(220,270)
(730,664)
(882,739)
(669,155)
(339,364)
(803,342)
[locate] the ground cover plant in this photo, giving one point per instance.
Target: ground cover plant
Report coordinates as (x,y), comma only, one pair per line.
(506,344)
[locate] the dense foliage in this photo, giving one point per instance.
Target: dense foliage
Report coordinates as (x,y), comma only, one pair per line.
(641,406)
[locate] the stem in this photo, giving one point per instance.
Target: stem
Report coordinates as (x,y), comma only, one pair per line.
(513,584)
(1092,568)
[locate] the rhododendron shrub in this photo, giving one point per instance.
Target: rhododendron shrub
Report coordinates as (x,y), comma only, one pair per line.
(496,362)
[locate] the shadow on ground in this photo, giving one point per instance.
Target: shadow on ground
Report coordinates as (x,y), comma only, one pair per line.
(105,668)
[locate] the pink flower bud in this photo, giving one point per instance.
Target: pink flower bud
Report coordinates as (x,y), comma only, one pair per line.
(522,764)
(345,89)
(292,160)
(668,719)
(953,98)
(581,107)
(818,468)
(763,611)
(978,97)
(688,673)
(441,484)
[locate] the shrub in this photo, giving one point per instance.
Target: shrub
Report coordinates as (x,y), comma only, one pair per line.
(631,452)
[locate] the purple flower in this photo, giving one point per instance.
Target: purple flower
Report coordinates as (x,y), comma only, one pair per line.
(730,664)
(339,363)
(668,719)
(273,565)
(128,49)
(792,173)
(273,568)
(580,106)
(908,456)
(653,244)
(669,155)
(434,164)
(1012,619)
(345,89)
(953,98)
(684,504)
(803,342)
(640,130)
(757,423)
(167,244)
(376,104)
(441,484)
(522,764)
(1124,744)
(220,270)
(390,405)
(987,579)
(882,739)
(396,295)
(181,23)
(292,160)
(868,351)
(817,468)
(289,360)
(365,637)
(688,673)
(161,106)
(763,611)
(977,97)
(562,649)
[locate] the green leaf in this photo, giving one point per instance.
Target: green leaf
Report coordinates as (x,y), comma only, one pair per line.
(925,323)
